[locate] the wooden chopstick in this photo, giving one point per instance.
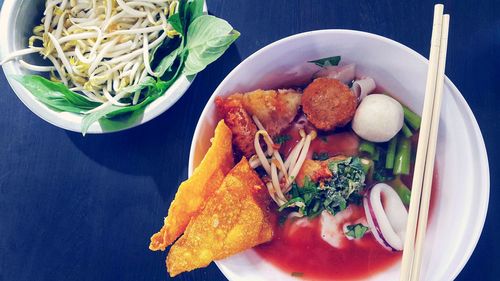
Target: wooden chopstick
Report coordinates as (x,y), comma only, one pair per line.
(430,89)
(431,153)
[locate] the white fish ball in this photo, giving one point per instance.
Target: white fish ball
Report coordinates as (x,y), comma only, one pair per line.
(378,118)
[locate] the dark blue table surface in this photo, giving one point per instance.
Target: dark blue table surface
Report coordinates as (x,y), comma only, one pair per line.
(83,208)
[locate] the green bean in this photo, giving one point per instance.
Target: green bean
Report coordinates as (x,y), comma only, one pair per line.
(367,147)
(402,190)
(403,156)
(391,153)
(412,118)
(406,131)
(367,165)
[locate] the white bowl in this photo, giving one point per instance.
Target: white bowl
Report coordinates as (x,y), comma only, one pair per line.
(17,19)
(462,196)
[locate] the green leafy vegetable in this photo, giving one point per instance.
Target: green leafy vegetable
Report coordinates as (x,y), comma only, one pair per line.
(203,39)
(334,194)
(356,231)
(322,156)
(207,39)
(330,61)
(381,174)
(56,95)
(281,139)
(188,11)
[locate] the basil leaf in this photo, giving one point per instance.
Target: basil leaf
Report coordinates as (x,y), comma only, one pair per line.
(331,61)
(147,81)
(207,39)
(356,231)
(91,118)
(188,11)
(122,121)
(167,62)
(176,22)
(195,9)
(56,95)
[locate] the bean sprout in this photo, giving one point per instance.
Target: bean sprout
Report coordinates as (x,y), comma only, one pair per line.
(100,47)
(281,174)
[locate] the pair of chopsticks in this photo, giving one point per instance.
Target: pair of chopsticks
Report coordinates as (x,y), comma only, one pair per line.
(426,151)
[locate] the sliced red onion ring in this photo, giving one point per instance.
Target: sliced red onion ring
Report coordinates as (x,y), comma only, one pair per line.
(387,220)
(361,88)
(345,73)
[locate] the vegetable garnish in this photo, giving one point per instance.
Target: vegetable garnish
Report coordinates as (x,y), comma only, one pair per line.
(324,62)
(321,156)
(113,58)
(281,139)
(356,231)
(333,195)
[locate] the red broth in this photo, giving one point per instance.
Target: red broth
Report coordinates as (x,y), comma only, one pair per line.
(301,252)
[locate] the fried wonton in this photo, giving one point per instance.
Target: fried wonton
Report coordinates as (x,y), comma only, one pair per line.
(235,218)
(195,191)
(275,109)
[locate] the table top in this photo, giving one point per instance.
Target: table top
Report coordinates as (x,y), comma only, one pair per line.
(83,208)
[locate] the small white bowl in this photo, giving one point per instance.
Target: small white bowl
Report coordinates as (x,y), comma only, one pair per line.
(463,192)
(17,19)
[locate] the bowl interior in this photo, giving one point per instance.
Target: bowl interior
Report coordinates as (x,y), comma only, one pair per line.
(461,198)
(21,16)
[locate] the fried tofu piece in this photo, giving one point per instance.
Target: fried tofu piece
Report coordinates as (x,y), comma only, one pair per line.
(194,192)
(315,170)
(235,218)
(240,123)
(274,109)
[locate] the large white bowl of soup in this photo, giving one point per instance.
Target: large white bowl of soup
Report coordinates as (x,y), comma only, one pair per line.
(460,193)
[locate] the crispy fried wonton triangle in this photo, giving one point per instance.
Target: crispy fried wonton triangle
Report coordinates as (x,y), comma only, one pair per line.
(195,191)
(235,218)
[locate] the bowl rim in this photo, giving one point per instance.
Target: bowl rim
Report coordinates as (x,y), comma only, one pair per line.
(483,157)
(61,119)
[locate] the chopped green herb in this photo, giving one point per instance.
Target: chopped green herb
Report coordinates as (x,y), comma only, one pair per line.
(322,156)
(281,139)
(381,174)
(297,274)
(334,194)
(331,61)
(356,231)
